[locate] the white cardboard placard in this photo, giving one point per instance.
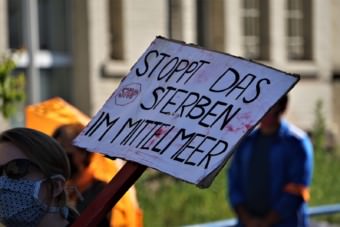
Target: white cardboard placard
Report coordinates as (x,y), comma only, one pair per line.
(182,109)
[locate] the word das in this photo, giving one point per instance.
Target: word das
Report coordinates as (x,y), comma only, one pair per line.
(192,149)
(232,83)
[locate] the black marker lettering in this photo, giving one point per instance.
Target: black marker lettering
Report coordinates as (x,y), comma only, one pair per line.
(175,60)
(199,107)
(242,87)
(258,91)
(202,63)
(159,62)
(95,125)
(155,95)
(210,154)
(129,124)
(223,83)
(139,73)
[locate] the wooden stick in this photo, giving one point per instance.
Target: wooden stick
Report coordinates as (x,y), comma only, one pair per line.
(110,195)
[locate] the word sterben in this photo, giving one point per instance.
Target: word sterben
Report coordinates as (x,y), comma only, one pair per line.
(192,105)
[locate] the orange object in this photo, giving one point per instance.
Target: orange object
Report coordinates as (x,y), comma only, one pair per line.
(298,189)
(110,195)
(50,114)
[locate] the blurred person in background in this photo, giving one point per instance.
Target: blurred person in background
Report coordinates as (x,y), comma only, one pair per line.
(33,169)
(90,172)
(81,175)
(271,172)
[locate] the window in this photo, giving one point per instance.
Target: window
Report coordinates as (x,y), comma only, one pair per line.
(52,56)
(54,25)
(210,24)
(15,24)
(299,37)
(175,19)
(116,29)
(256,29)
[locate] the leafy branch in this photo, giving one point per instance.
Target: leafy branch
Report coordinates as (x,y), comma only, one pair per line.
(12,88)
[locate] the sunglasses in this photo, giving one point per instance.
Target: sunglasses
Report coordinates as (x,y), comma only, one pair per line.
(16,168)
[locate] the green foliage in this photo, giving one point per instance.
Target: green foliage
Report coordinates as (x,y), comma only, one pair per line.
(325,187)
(12,88)
(169,202)
(319,128)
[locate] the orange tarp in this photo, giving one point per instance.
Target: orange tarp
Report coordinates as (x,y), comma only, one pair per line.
(50,114)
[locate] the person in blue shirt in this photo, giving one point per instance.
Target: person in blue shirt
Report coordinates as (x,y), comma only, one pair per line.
(271,172)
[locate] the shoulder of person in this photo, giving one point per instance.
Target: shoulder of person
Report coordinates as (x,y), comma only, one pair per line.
(248,139)
(252,133)
(294,131)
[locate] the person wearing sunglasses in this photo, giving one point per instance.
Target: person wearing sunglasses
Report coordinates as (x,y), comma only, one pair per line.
(33,170)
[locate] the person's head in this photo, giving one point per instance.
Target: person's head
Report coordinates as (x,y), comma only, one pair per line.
(79,158)
(272,119)
(33,169)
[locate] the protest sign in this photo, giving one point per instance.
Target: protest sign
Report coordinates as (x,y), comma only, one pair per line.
(182,109)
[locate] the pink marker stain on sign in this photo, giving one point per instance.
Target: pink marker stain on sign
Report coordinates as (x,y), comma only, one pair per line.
(159,132)
(203,77)
(231,128)
(248,126)
(243,116)
(245,123)
(244,127)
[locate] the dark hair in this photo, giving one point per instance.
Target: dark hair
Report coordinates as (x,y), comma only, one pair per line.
(282,103)
(42,150)
(65,134)
(68,131)
(39,148)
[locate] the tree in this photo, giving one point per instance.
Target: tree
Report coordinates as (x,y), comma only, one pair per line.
(12,88)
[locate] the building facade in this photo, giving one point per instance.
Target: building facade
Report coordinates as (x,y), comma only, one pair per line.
(84,47)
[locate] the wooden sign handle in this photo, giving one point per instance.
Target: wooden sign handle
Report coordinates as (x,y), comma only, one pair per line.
(110,195)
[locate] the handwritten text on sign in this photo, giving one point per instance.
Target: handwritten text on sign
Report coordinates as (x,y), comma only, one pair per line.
(182,109)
